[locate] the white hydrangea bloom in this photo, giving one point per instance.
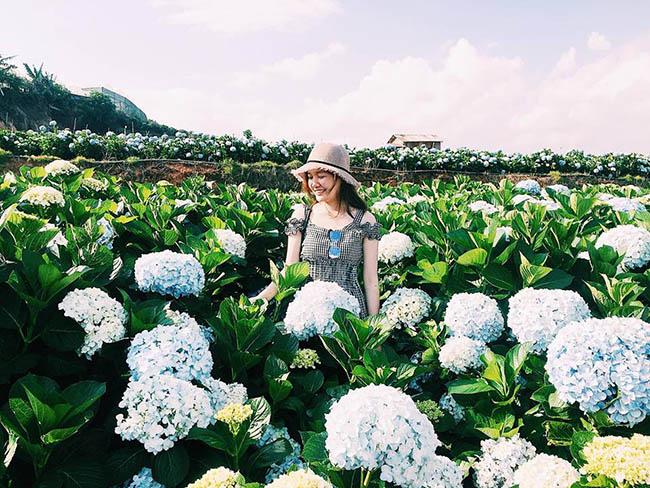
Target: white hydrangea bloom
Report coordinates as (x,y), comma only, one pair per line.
(312,309)
(299,479)
(224,394)
(61,167)
(379,427)
(630,241)
(394,247)
(415,199)
(94,184)
(537,315)
(549,204)
(627,205)
(449,404)
(183,319)
(386,202)
(546,471)
(169,273)
(101,317)
(407,307)
(43,196)
(528,186)
(474,315)
(520,198)
(604,197)
(483,206)
(162,410)
(231,242)
(461,354)
(562,189)
(499,460)
(180,351)
(143,479)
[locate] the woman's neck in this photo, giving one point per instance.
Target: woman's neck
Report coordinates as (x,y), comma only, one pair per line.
(333,209)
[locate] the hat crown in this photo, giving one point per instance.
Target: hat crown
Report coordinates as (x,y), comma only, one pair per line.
(332,154)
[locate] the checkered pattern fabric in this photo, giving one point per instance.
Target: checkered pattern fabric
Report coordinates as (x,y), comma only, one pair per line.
(344,269)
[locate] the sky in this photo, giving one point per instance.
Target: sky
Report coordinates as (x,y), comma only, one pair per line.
(489,75)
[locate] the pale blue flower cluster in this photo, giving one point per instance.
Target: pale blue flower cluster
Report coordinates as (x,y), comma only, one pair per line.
(312,309)
(180,351)
(169,273)
(406,307)
(183,319)
(536,316)
(593,361)
(627,205)
(161,410)
(528,186)
(102,318)
(143,479)
(224,394)
(483,206)
(108,233)
(474,315)
(379,427)
(449,404)
(272,434)
(231,242)
(499,460)
(561,189)
(629,240)
(461,354)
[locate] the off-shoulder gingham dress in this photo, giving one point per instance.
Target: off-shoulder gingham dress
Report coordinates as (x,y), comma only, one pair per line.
(343,269)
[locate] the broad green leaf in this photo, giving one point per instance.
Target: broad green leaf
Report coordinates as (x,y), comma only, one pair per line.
(468,386)
(171,466)
(475,257)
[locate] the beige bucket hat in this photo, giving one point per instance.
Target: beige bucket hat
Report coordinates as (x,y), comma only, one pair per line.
(330,157)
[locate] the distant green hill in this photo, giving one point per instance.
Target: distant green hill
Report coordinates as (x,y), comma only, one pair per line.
(32,101)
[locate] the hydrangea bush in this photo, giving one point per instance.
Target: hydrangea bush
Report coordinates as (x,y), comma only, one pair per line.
(474,315)
(394,247)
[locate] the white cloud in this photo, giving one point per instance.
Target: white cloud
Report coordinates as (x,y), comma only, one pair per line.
(598,42)
(301,68)
(469,97)
(245,16)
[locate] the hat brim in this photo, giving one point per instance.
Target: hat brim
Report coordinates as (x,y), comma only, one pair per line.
(347,177)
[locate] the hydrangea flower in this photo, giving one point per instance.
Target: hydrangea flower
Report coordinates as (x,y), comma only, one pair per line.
(272,434)
(537,315)
(219,478)
(461,354)
(386,202)
(629,240)
(394,247)
(528,186)
(449,404)
(499,460)
(224,394)
(183,319)
(474,315)
(101,317)
(627,205)
(94,184)
(416,199)
(379,427)
(624,460)
(546,471)
(108,233)
(305,359)
(589,362)
(312,309)
(562,189)
(517,199)
(161,410)
(483,206)
(231,242)
(180,351)
(234,415)
(143,479)
(61,167)
(300,479)
(169,273)
(406,307)
(43,196)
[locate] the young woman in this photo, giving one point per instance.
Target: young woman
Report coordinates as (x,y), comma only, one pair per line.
(335,233)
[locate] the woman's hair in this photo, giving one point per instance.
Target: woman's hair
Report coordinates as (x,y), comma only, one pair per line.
(347,194)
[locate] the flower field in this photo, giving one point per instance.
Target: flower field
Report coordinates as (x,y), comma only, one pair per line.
(68,144)
(512,346)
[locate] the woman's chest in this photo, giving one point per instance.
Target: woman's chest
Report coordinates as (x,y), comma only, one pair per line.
(320,243)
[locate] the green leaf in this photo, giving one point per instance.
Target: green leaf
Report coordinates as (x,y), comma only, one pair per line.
(82,473)
(63,335)
(82,395)
(312,381)
(279,389)
(58,435)
(123,463)
(558,433)
(45,415)
(579,440)
(475,257)
(261,416)
(468,386)
(271,453)
(555,280)
(314,449)
(217,437)
(171,466)
(499,277)
(531,273)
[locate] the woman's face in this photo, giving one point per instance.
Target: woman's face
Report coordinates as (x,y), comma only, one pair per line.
(323,184)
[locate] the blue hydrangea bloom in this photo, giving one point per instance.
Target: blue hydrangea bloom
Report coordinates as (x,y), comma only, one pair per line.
(592,361)
(169,273)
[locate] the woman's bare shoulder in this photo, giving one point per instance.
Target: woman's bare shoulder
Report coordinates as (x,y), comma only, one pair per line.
(368,217)
(298,211)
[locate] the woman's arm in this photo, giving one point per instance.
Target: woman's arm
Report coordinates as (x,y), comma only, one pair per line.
(370,278)
(293,256)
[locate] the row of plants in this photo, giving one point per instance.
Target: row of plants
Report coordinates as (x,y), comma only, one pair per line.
(64,143)
(512,347)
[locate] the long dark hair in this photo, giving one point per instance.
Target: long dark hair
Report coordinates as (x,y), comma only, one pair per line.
(347,194)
